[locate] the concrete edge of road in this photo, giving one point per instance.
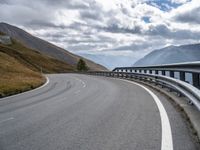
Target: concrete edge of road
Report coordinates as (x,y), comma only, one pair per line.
(41,86)
(191,114)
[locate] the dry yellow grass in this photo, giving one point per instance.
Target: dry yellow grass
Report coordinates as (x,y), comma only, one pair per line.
(15,77)
(34,60)
(20,68)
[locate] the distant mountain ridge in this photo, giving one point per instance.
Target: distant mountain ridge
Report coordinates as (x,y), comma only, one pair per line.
(45,47)
(171,54)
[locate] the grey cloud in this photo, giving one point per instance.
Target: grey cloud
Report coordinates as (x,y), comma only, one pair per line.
(79,27)
(36,13)
(94,15)
(97,41)
(160,29)
(70,4)
(114,28)
(57,35)
(164,31)
(21,14)
(4,2)
(38,24)
(192,16)
(134,47)
(84,47)
(85,33)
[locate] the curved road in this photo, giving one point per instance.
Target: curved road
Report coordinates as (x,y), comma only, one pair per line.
(80,112)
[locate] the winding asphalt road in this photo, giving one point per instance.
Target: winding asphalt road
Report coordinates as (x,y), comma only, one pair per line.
(80,112)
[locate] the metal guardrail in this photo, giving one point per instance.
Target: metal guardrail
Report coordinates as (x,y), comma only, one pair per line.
(183,77)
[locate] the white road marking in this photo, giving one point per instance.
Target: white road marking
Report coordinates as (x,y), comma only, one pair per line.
(47,82)
(77,92)
(167,141)
(84,85)
(8,119)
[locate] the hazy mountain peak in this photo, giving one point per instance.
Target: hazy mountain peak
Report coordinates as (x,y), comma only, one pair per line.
(171,54)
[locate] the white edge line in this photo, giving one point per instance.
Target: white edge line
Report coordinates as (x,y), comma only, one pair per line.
(84,85)
(47,82)
(77,92)
(167,140)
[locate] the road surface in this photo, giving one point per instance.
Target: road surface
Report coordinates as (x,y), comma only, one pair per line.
(80,112)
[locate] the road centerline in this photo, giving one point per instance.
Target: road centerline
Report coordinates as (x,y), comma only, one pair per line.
(82,82)
(5,120)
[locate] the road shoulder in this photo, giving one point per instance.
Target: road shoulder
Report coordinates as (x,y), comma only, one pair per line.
(188,112)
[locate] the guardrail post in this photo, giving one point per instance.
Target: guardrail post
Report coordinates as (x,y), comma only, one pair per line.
(156,71)
(163,72)
(196,80)
(182,76)
(123,76)
(171,74)
(150,71)
(131,75)
(145,71)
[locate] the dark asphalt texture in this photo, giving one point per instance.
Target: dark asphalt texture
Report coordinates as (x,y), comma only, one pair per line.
(80,112)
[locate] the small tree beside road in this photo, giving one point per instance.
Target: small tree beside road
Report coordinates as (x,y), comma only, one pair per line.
(81,65)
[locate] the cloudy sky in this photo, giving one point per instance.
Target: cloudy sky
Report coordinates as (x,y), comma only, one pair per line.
(111,32)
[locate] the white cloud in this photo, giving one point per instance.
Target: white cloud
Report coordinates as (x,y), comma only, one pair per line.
(107,27)
(187,13)
(179,1)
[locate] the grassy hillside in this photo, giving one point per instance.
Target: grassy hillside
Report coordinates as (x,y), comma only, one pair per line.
(15,77)
(35,60)
(20,68)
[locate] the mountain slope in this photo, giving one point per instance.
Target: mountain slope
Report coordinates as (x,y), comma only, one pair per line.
(45,47)
(16,77)
(20,67)
(34,60)
(171,54)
